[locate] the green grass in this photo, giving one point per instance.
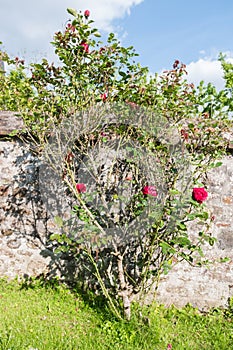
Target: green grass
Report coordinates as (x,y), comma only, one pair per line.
(49,316)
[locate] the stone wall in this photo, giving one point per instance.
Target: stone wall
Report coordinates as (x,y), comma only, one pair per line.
(212,285)
(24,224)
(22,216)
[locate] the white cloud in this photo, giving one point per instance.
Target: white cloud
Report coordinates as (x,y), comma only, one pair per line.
(105,11)
(209,70)
(27,27)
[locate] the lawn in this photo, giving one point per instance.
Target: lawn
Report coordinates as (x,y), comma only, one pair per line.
(46,316)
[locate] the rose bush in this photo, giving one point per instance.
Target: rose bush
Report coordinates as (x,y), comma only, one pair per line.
(123,238)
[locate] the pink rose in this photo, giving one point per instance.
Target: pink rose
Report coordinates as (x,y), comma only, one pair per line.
(199,194)
(149,190)
(81,188)
(86,13)
(85,46)
(169,346)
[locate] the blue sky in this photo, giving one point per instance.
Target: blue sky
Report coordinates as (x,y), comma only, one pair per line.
(165,30)
(160,30)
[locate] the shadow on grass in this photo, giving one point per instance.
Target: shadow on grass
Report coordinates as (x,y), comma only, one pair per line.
(97,303)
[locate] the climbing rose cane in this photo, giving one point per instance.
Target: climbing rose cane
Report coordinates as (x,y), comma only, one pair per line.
(199,194)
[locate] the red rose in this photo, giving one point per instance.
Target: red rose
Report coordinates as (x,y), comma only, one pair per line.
(149,190)
(199,194)
(184,134)
(104,96)
(85,46)
(81,188)
(86,13)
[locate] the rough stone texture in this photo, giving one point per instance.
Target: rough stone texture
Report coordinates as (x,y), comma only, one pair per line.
(24,226)
(22,216)
(9,121)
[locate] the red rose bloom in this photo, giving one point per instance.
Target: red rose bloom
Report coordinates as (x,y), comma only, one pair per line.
(86,13)
(81,188)
(184,134)
(85,46)
(199,194)
(149,190)
(104,97)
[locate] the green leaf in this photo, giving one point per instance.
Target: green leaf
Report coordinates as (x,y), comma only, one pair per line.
(225,259)
(200,252)
(13,133)
(215,165)
(167,265)
(174,192)
(183,241)
(182,226)
(72,12)
(218,164)
(203,215)
(191,216)
(123,74)
(211,241)
(54,237)
(97,34)
(166,248)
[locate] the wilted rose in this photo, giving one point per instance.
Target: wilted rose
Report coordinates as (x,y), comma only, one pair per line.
(70,27)
(199,194)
